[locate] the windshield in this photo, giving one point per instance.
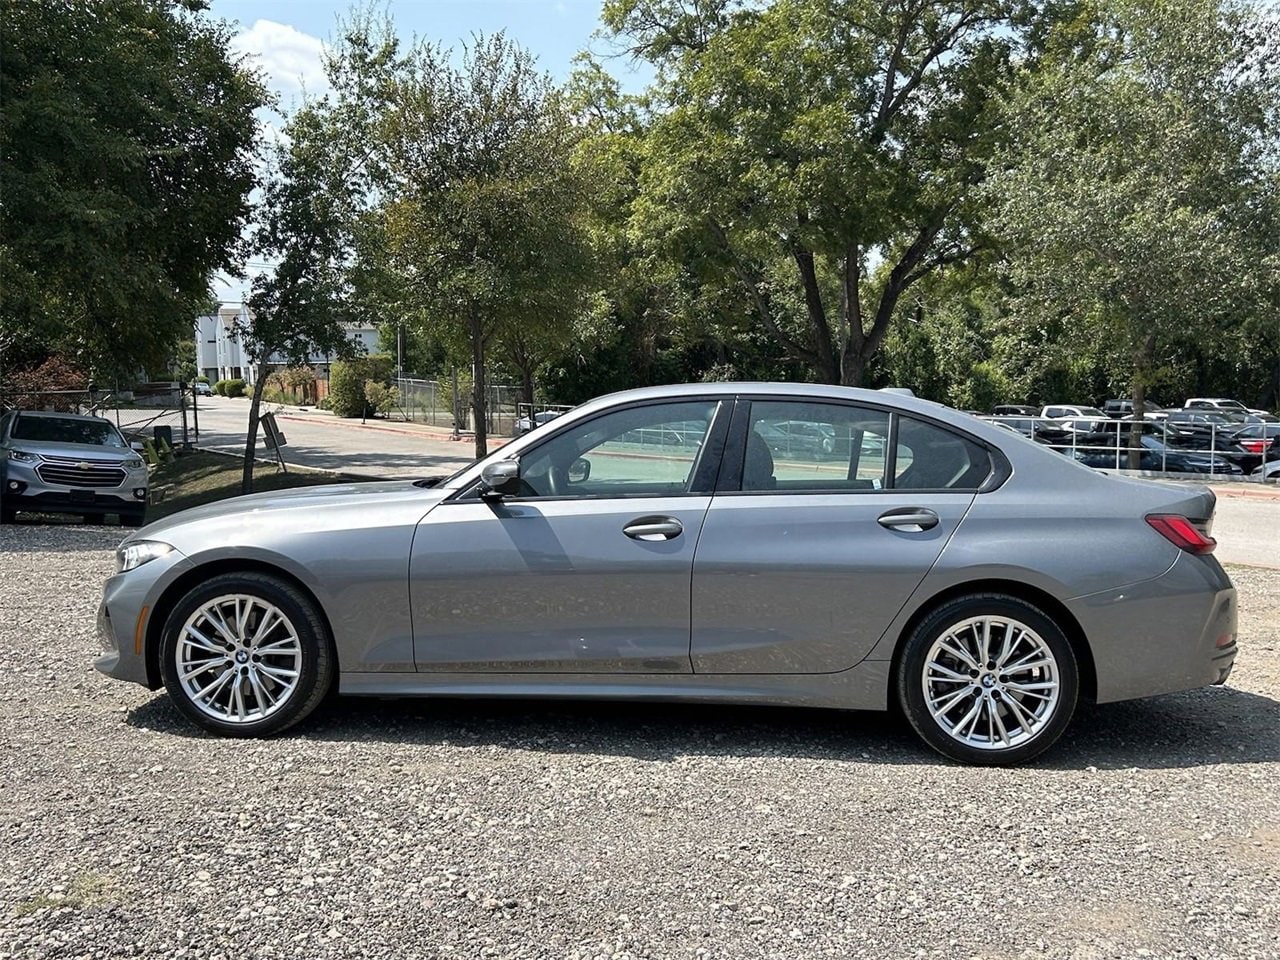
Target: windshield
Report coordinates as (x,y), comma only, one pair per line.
(98,433)
(1091,412)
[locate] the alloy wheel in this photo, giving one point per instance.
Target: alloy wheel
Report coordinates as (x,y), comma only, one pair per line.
(991,682)
(238,659)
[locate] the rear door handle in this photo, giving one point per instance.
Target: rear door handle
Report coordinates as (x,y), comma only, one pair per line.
(908,517)
(653,529)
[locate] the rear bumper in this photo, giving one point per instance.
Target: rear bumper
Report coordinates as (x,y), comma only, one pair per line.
(1176,632)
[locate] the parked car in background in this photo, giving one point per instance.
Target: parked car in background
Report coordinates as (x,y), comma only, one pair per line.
(1267,471)
(1075,418)
(978,582)
(1158,456)
(1218,403)
(202,389)
(1049,433)
(68,463)
(1014,410)
(1120,409)
(1259,438)
(525,424)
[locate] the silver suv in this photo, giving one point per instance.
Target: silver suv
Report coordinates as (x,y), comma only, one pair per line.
(67,463)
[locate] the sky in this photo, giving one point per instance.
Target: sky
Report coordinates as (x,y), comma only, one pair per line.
(285,39)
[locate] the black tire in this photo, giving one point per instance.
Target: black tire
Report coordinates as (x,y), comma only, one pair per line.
(985,689)
(318,662)
(133,519)
(8,516)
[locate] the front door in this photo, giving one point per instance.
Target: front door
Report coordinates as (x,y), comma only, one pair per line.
(588,568)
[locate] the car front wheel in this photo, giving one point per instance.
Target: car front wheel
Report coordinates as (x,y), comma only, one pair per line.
(988,679)
(246,655)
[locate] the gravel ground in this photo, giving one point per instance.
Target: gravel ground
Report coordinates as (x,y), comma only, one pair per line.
(454,829)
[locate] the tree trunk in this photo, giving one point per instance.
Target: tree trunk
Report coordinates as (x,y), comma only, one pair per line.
(477,386)
(251,438)
(526,385)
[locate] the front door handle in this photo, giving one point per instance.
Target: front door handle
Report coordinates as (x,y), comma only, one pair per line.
(908,518)
(654,529)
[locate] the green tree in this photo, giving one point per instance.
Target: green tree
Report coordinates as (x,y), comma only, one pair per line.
(480,206)
(819,155)
(126,158)
(310,203)
(1138,199)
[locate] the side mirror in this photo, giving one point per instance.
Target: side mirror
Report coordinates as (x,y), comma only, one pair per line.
(579,470)
(499,478)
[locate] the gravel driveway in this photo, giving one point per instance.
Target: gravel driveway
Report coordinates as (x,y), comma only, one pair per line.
(453,829)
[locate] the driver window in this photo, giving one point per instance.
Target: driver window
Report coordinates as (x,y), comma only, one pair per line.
(646,451)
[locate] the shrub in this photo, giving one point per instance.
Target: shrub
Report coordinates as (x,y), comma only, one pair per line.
(235,388)
(380,397)
(347,379)
(220,388)
(202,379)
(346,389)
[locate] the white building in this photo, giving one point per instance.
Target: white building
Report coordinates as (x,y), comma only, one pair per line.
(220,356)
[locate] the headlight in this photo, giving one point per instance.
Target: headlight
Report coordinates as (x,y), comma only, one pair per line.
(22,456)
(134,463)
(133,555)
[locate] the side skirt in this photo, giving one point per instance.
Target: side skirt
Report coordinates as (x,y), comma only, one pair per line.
(862,687)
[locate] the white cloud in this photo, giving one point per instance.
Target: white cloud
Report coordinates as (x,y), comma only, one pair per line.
(292,60)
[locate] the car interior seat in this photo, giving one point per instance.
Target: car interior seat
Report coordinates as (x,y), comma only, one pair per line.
(757,468)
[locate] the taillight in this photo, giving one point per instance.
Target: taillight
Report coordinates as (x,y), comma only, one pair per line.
(1255,446)
(1181,532)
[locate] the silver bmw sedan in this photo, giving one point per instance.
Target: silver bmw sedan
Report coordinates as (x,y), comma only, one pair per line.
(691,542)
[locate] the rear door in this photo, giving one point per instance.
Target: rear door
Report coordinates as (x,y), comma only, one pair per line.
(804,560)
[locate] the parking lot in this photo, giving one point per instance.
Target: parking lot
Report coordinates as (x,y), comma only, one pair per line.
(468,829)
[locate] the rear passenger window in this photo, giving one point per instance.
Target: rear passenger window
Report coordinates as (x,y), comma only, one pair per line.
(930,457)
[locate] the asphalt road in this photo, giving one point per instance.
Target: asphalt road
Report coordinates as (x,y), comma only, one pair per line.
(1247,523)
(317,439)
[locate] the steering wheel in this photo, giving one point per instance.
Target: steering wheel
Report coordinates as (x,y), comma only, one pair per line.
(558,480)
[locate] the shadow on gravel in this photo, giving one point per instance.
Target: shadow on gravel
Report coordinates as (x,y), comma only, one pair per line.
(1219,725)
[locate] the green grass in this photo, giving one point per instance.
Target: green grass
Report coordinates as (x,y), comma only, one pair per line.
(202,477)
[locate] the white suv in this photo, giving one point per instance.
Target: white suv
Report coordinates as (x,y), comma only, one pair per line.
(1074,418)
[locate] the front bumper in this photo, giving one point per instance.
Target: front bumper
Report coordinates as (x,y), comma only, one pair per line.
(1176,632)
(125,615)
(24,489)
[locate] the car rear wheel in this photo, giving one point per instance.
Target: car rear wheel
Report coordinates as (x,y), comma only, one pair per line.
(246,655)
(988,679)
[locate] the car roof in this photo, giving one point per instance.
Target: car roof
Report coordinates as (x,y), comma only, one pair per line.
(53,415)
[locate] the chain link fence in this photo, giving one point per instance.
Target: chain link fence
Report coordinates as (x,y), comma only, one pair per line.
(433,401)
(1163,447)
(151,411)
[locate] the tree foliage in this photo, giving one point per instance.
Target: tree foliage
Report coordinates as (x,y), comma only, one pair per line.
(820,155)
(127,159)
(1138,196)
(475,232)
(311,203)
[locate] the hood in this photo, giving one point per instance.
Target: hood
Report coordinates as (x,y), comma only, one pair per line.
(82,451)
(299,507)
